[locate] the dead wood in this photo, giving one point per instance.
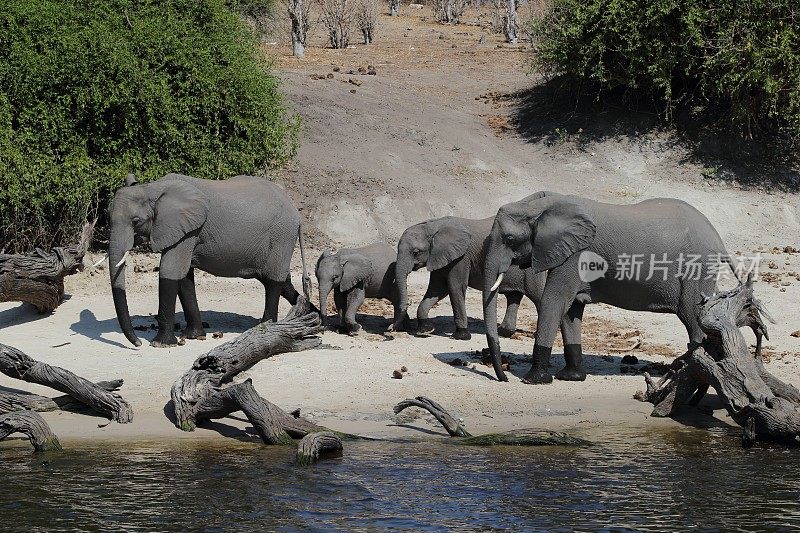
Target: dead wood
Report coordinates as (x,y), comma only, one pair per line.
(18,365)
(766,407)
(11,400)
(31,424)
(38,278)
(316,446)
(518,437)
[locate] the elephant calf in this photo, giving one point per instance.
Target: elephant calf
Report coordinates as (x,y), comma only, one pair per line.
(355,274)
(452,249)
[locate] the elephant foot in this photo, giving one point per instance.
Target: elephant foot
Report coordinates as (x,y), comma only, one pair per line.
(537,377)
(462,334)
(505,332)
(424,327)
(571,374)
(573,370)
(539,373)
(351,329)
(164,340)
(194,332)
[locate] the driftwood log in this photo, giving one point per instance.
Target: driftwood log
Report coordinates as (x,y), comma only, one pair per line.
(206,391)
(518,437)
(31,424)
(18,365)
(11,401)
(766,407)
(38,278)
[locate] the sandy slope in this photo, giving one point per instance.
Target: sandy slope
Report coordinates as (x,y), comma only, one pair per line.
(413,142)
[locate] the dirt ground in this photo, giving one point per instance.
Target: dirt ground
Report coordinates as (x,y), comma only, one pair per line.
(445,126)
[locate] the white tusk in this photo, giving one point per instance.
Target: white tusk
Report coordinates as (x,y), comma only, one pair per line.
(498,282)
(122,261)
(100,262)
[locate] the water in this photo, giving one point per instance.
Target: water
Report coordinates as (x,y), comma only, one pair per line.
(645,480)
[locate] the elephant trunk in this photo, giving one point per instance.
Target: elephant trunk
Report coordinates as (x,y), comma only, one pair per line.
(495,266)
(121,241)
(402,270)
(324,289)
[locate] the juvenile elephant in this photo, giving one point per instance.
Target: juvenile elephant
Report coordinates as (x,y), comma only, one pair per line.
(590,251)
(355,274)
(452,249)
(242,227)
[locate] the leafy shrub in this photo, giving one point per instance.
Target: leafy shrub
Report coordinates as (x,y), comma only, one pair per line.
(739,57)
(93,90)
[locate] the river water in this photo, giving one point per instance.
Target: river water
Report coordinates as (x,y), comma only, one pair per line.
(638,480)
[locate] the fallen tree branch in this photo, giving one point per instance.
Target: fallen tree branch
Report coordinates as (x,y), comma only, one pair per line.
(38,278)
(316,446)
(16,364)
(766,407)
(11,401)
(518,437)
(33,426)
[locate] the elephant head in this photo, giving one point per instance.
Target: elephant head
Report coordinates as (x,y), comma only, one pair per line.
(342,271)
(433,244)
(540,232)
(163,212)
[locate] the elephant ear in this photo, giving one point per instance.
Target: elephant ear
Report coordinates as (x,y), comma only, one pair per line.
(564,228)
(448,244)
(355,268)
(180,209)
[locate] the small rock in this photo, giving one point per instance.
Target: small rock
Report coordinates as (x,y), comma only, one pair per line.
(181,341)
(330,75)
(362,70)
(630,360)
(156,269)
(790,250)
(217,335)
(403,369)
(357,83)
(397,374)
(352,91)
(336,69)
(795,333)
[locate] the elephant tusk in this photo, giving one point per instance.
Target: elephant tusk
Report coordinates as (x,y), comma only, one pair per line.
(100,262)
(498,282)
(122,261)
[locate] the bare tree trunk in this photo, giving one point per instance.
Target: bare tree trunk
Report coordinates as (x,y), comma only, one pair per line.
(764,406)
(518,437)
(16,364)
(11,401)
(298,14)
(510,21)
(394,7)
(33,425)
(38,278)
(316,446)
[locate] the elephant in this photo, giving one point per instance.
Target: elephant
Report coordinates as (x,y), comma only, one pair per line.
(589,250)
(241,227)
(355,274)
(452,249)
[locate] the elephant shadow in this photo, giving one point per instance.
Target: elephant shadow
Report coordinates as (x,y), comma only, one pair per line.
(519,364)
(24,313)
(374,324)
(217,321)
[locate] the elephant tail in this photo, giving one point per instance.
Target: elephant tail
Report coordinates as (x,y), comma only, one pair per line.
(306,277)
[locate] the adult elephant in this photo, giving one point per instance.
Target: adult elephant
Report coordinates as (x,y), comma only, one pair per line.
(641,257)
(242,227)
(452,249)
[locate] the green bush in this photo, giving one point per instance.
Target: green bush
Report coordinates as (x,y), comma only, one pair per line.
(93,90)
(740,57)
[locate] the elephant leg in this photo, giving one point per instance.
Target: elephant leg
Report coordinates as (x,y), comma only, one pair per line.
(559,293)
(573,352)
(400,317)
(272,296)
(188,296)
(288,291)
(174,267)
(457,290)
(509,325)
(688,312)
(340,302)
(355,297)
(437,289)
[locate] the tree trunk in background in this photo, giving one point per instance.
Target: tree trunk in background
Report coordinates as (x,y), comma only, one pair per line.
(394,7)
(510,21)
(38,278)
(298,14)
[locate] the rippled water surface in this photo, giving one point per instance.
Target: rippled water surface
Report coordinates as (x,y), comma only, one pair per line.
(655,480)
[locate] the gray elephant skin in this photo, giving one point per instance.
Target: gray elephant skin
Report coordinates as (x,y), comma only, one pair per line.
(452,249)
(354,274)
(242,227)
(553,233)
